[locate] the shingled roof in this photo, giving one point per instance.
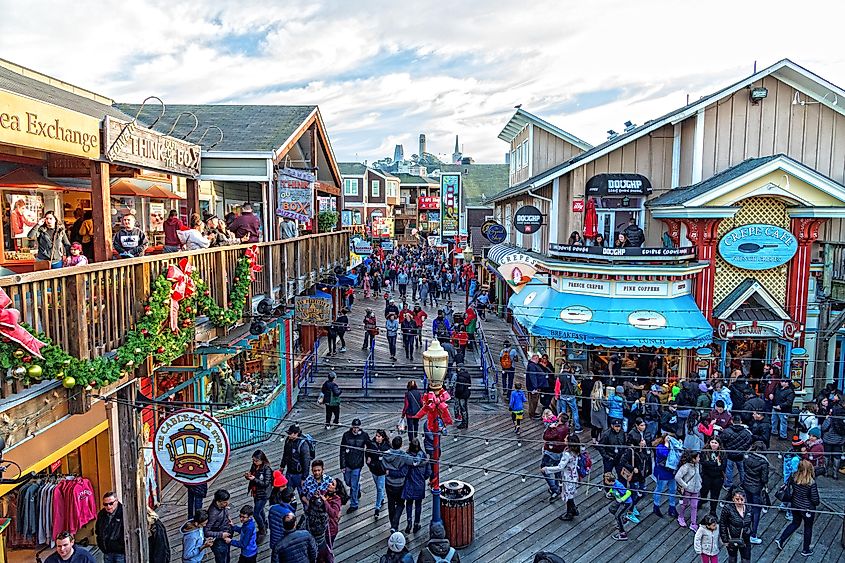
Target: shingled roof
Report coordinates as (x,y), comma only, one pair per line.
(352,168)
(245,127)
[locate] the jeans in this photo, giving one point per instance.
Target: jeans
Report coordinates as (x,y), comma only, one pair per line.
(729,472)
(369,339)
(168,248)
(378,481)
(799,516)
(194,503)
(332,343)
(352,478)
(551,459)
(507,382)
(651,427)
(408,341)
(395,503)
(295,482)
(413,425)
(755,499)
(391,344)
(260,516)
(779,424)
(220,549)
(114,558)
(662,487)
(462,409)
(569,401)
(416,504)
(403,289)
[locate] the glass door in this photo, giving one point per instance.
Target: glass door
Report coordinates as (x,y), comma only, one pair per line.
(607,225)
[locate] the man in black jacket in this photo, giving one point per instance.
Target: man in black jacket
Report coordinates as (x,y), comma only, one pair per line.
(634,233)
(109,530)
(296,459)
(782,400)
(761,429)
(756,479)
(736,439)
(352,446)
(611,445)
(297,546)
(463,390)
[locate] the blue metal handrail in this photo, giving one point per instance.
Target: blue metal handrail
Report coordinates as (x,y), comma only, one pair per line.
(369,366)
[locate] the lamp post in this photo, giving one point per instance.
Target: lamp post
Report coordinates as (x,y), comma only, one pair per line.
(470,275)
(435,364)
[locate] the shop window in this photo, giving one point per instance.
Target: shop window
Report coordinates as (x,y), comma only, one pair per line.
(614,214)
(375,188)
(350,186)
(24,210)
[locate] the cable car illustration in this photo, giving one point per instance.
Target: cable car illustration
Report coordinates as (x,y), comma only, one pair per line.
(190,451)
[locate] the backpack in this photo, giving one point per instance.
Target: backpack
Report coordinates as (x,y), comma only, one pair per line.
(447,559)
(308,439)
(585,463)
(506,360)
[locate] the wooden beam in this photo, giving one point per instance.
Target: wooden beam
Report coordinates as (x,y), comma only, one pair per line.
(193,200)
(313,149)
(101,211)
(132,493)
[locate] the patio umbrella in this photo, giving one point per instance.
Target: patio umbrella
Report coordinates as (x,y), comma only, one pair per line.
(591,219)
(126,187)
(157,192)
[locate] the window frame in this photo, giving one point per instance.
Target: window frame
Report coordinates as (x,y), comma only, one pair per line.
(352,181)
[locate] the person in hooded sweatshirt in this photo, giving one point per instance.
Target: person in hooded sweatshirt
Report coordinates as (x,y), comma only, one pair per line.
(438,548)
(129,241)
(194,542)
(396,463)
(172,225)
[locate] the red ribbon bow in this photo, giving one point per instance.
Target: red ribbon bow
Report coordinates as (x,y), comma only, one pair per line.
(183,287)
(434,407)
(252,254)
(10,327)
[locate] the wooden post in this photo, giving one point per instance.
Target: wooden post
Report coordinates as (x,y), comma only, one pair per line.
(316,208)
(132,491)
(193,192)
(101,211)
(79,400)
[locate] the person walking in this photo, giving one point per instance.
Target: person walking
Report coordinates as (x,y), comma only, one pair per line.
(688,479)
(507,360)
(535,381)
(370,329)
(706,542)
(410,408)
(341,325)
(567,469)
(331,399)
(413,490)
(409,336)
(396,463)
(621,500)
(296,457)
(420,317)
(391,327)
(804,501)
(402,281)
(463,390)
(194,543)
(516,404)
(352,446)
(735,527)
(260,477)
(219,525)
(376,448)
(736,440)
(196,496)
(755,482)
(109,530)
(598,411)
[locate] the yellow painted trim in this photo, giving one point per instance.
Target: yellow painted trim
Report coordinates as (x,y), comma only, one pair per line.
(60,453)
(799,188)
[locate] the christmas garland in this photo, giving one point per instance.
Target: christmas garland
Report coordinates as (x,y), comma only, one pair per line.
(152,336)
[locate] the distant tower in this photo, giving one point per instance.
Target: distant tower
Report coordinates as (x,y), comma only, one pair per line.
(398,153)
(422,144)
(456,156)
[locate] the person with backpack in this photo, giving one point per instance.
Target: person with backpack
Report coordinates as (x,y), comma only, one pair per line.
(330,393)
(807,419)
(567,468)
(260,477)
(463,390)
(438,550)
(397,551)
(352,446)
(341,325)
(411,406)
(296,457)
(396,463)
(507,359)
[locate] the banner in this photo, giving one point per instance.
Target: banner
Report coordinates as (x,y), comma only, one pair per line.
(450,201)
(296,194)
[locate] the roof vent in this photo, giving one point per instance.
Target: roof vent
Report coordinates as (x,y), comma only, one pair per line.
(629,126)
(611,134)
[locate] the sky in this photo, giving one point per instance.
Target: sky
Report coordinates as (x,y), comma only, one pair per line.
(383,72)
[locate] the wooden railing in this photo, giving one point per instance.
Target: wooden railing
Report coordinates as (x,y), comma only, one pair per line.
(89,310)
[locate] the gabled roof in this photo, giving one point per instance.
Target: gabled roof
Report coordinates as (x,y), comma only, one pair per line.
(245,127)
(749,301)
(412,180)
(352,169)
(479,181)
(790,73)
(521,118)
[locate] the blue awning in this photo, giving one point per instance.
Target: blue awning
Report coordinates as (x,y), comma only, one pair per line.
(612,322)
(348,279)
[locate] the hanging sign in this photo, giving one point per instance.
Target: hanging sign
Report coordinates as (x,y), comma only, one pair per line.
(528,219)
(450,198)
(191,447)
(493,231)
(428,202)
(618,184)
(310,310)
(362,247)
(758,247)
(296,194)
(129,143)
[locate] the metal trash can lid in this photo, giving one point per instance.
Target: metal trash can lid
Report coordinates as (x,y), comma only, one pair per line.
(455,490)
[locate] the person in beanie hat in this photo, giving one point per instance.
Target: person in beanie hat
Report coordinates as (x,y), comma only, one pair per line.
(331,399)
(396,550)
(438,548)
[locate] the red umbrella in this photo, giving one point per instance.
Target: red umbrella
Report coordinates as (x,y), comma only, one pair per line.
(591,219)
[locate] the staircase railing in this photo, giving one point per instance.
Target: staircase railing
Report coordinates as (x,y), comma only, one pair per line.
(369,367)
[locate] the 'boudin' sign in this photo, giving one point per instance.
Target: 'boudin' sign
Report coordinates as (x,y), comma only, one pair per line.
(129,143)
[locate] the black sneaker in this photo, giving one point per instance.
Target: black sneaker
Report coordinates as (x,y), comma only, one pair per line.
(808,553)
(351,509)
(408,528)
(417,528)
(375,514)
(620,536)
(554,496)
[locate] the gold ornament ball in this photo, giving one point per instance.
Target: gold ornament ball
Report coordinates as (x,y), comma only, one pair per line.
(18,354)
(34,371)
(60,374)
(19,372)
(68,382)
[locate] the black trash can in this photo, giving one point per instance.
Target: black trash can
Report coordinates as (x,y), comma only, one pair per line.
(457,508)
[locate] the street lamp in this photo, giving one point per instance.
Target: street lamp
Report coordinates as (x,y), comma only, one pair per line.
(435,365)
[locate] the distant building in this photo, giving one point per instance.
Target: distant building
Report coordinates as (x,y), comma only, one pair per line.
(398,153)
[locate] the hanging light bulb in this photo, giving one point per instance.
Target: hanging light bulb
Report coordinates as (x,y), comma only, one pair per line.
(519,443)
(523,478)
(487,443)
(449,467)
(456,437)
(486,472)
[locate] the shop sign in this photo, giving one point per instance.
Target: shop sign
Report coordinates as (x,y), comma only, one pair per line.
(493,231)
(362,247)
(191,447)
(387,245)
(589,287)
(618,184)
(29,123)
(295,194)
(129,143)
(799,352)
(758,247)
(59,166)
(428,202)
(577,205)
(757,329)
(313,310)
(556,249)
(527,219)
(642,289)
(517,273)
(683,287)
(450,200)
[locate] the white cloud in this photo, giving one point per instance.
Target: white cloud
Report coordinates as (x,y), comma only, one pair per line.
(382,72)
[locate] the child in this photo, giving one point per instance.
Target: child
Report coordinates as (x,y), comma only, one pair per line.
(549,418)
(791,459)
(193,542)
(688,478)
(76,257)
(707,540)
(621,500)
(247,541)
(517,406)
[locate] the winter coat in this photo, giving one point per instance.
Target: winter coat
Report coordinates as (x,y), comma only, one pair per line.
(333,505)
(568,465)
(756,473)
(755,404)
(806,421)
(598,416)
(331,393)
(246,539)
(109,531)
(246,224)
(396,464)
(218,521)
(611,443)
(694,440)
(53,244)
(784,399)
(722,420)
(732,525)
(260,487)
(159,543)
(703,401)
(669,421)
(172,225)
(815,453)
(192,239)
(554,438)
(736,439)
(676,449)
(275,522)
(688,478)
(373,457)
(616,406)
(192,540)
(463,385)
(415,479)
(712,464)
(535,377)
(661,471)
(517,400)
(391,326)
(722,395)
(438,548)
(805,497)
(413,402)
(651,411)
(706,542)
(761,430)
(297,546)
(296,457)
(831,436)
(790,465)
(352,457)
